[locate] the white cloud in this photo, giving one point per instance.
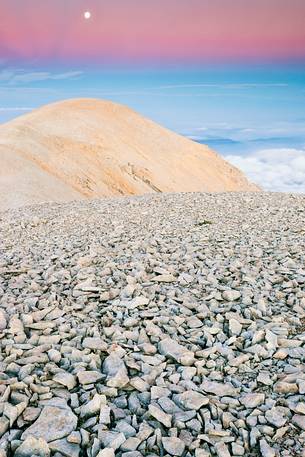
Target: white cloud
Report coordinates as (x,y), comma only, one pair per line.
(252,132)
(280,170)
(14,109)
(223,86)
(18,76)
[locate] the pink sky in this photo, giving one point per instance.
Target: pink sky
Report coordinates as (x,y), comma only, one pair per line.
(149,30)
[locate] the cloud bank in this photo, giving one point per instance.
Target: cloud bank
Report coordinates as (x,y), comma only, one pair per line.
(281,170)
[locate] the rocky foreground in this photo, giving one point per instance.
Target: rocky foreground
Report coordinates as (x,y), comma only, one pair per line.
(165,325)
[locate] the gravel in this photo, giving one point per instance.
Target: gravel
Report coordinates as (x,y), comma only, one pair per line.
(162,325)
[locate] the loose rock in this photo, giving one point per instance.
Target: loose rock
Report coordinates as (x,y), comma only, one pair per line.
(128,329)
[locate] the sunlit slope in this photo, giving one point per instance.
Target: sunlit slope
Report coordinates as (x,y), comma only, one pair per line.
(91,148)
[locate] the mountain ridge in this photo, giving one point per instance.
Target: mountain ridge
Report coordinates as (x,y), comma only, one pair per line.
(83,148)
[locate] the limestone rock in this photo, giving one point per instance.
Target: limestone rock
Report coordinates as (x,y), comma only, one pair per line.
(66,379)
(107,452)
(219,389)
(191,400)
(52,424)
(89,377)
(299,420)
(160,415)
(116,370)
(65,448)
(231,295)
(170,348)
(174,446)
(252,400)
(33,446)
(265,449)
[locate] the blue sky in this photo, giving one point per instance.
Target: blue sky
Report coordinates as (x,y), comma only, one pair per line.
(182,99)
(238,110)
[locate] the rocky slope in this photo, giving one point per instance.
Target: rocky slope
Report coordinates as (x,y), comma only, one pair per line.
(90,148)
(163,325)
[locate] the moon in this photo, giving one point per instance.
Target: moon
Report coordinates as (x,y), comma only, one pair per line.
(87,15)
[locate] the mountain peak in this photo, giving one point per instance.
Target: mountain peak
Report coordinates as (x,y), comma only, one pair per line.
(83,148)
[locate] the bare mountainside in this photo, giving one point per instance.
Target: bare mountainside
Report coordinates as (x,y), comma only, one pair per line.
(85,148)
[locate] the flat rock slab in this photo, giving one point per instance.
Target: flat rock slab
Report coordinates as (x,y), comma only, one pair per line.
(174,446)
(172,349)
(33,446)
(52,424)
(219,389)
(191,400)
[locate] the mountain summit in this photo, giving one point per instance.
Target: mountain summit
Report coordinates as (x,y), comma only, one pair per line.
(86,148)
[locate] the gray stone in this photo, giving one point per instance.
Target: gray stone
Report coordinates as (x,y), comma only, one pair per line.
(235,327)
(96,344)
(4,425)
(264,378)
(74,438)
(191,400)
(93,406)
(299,420)
(33,446)
(107,452)
(66,379)
(54,355)
(238,449)
(124,427)
(165,278)
(170,348)
(222,450)
(174,446)
(158,414)
(276,416)
(301,386)
(266,449)
(112,440)
(282,387)
(231,295)
(89,377)
(252,400)
(219,389)
(116,370)
(131,444)
(52,424)
(65,448)
(3,320)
